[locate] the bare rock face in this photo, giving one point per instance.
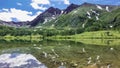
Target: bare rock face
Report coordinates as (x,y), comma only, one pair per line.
(70,8)
(48,13)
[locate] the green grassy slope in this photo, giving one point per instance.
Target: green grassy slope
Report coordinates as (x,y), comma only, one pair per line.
(78,18)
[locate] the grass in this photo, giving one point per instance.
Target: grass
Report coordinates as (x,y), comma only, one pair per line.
(95,37)
(91,35)
(98,35)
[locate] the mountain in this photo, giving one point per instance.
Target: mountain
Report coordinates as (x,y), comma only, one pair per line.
(14,24)
(70,8)
(48,15)
(52,13)
(88,16)
(74,16)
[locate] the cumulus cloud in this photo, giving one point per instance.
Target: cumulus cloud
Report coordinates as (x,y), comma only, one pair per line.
(20,15)
(35,4)
(5,9)
(19,4)
(67,2)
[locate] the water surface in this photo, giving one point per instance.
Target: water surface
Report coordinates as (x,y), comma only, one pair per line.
(58,54)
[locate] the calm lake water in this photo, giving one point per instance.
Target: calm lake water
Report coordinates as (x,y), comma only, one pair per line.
(58,54)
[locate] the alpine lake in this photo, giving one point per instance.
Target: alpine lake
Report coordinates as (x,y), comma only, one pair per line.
(60,54)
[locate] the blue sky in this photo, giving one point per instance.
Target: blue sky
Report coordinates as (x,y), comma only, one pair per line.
(27,10)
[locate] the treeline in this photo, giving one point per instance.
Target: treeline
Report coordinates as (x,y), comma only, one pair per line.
(5,30)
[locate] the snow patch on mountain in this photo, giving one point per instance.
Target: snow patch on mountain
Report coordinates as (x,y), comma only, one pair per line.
(97,18)
(75,12)
(62,12)
(52,25)
(53,17)
(83,25)
(99,7)
(107,9)
(55,21)
(88,13)
(92,11)
(46,20)
(89,17)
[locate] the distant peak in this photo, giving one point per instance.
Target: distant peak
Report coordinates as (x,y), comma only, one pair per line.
(51,8)
(70,8)
(87,4)
(72,4)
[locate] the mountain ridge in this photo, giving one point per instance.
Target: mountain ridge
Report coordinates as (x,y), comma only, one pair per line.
(52,13)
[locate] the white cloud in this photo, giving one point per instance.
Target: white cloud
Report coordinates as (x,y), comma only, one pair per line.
(20,15)
(38,13)
(67,2)
(19,4)
(5,9)
(35,4)
(41,1)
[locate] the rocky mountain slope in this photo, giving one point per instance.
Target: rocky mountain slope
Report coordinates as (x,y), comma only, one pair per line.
(88,16)
(74,16)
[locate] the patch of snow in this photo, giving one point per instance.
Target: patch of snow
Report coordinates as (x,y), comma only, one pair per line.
(97,18)
(89,17)
(97,14)
(46,20)
(62,12)
(107,9)
(55,21)
(91,9)
(75,11)
(99,7)
(88,13)
(53,25)
(111,26)
(94,12)
(83,25)
(53,17)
